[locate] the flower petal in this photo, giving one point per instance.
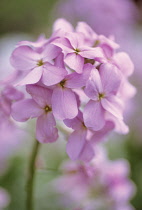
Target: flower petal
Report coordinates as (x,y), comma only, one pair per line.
(94,115)
(64,103)
(53,75)
(75,62)
(32,77)
(42,96)
(94,85)
(25,109)
(76,80)
(87,152)
(50,52)
(24,58)
(75,143)
(101,134)
(113,106)
(45,128)
(92,53)
(124,63)
(110,77)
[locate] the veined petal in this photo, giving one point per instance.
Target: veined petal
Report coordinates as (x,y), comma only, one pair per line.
(75,143)
(45,128)
(24,58)
(64,104)
(62,24)
(101,134)
(53,74)
(64,44)
(41,95)
(75,62)
(92,53)
(124,63)
(94,115)
(76,80)
(87,152)
(25,109)
(94,85)
(110,77)
(32,77)
(50,52)
(113,106)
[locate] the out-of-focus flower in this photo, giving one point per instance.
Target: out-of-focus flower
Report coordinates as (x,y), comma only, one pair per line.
(103,184)
(105,17)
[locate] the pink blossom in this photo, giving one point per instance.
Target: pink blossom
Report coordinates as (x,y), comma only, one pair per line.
(101,88)
(37,65)
(38,107)
(100,184)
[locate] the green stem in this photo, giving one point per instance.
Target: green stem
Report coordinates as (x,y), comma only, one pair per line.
(30,178)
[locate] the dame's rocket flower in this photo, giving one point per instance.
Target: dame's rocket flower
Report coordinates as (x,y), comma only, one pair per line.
(37,65)
(38,107)
(102,88)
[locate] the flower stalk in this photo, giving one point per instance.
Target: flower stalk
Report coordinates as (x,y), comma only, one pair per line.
(31,176)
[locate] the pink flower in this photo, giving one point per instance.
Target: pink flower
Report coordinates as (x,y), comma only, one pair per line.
(102,88)
(64,102)
(75,50)
(38,107)
(37,65)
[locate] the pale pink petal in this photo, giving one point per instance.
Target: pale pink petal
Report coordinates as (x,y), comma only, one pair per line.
(12,93)
(75,62)
(42,96)
(62,24)
(59,61)
(92,53)
(76,80)
(25,109)
(75,123)
(32,77)
(53,75)
(113,106)
(124,63)
(73,38)
(87,152)
(50,52)
(94,85)
(94,115)
(110,77)
(75,144)
(24,58)
(64,44)
(101,134)
(64,103)
(45,128)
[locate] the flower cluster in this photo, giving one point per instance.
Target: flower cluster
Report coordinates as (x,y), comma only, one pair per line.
(76,76)
(102,184)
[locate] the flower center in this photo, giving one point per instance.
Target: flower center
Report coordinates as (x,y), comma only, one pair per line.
(101,95)
(62,83)
(76,51)
(40,62)
(47,109)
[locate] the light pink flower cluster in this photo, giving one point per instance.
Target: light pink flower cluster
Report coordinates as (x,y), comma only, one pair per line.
(58,72)
(102,184)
